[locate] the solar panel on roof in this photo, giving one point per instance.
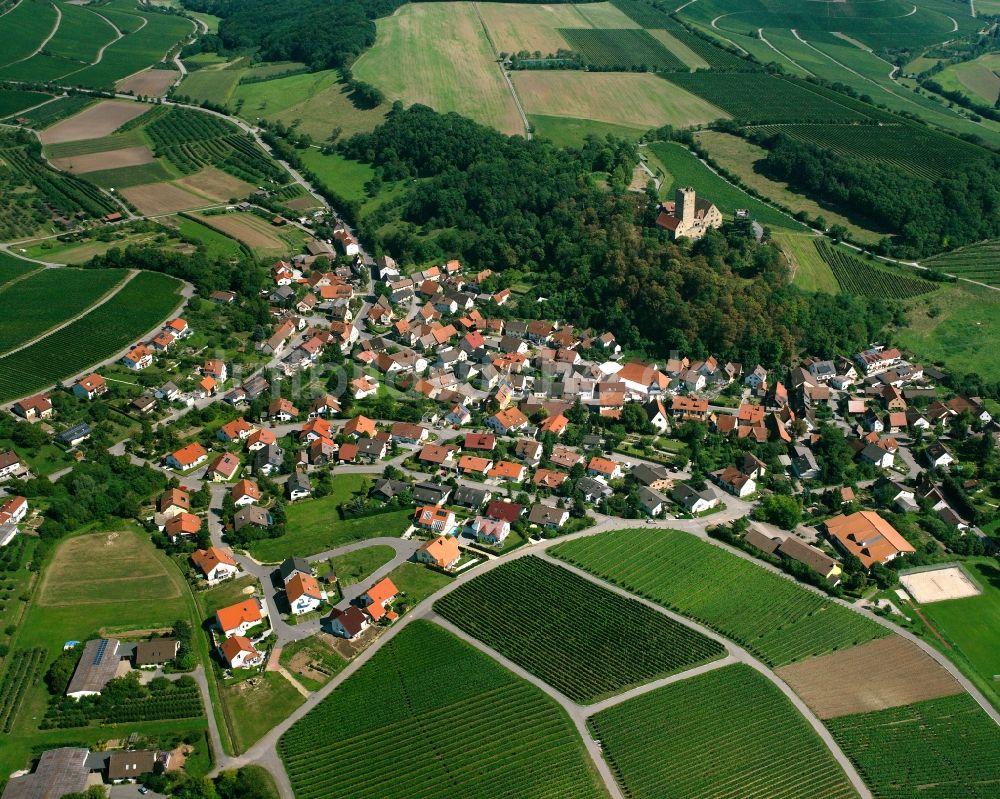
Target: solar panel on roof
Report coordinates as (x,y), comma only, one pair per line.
(101,647)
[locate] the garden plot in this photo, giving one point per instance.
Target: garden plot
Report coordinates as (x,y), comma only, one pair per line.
(937,585)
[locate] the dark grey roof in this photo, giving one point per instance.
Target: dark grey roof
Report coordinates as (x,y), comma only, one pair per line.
(97,666)
(430,492)
(687,496)
(156,651)
(251,514)
(59,772)
(648,474)
(129,765)
(650,498)
(389,488)
(545,514)
(74,433)
(588,486)
(762,541)
(295,564)
(470,496)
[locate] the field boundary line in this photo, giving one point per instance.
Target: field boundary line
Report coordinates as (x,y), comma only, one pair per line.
(17,280)
(504,73)
(760,35)
(96,304)
(741,655)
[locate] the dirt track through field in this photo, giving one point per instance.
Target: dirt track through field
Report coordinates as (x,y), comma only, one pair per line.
(884,673)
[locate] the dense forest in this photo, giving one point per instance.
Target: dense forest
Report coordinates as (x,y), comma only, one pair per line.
(505,203)
(959,208)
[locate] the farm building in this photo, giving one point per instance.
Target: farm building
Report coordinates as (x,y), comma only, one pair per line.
(867,536)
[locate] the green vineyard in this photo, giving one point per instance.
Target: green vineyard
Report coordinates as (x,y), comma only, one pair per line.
(938,748)
(622,49)
(773,617)
(23,666)
(728,733)
(979,262)
(191,140)
(582,639)
(755,99)
(161,699)
(430,716)
(49,298)
(856,276)
(138,306)
(913,148)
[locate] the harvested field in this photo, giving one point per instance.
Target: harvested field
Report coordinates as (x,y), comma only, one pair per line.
(246,228)
(96,121)
(639,100)
(149,82)
(527,26)
(302,203)
(216,184)
(884,673)
(115,159)
(937,585)
(162,198)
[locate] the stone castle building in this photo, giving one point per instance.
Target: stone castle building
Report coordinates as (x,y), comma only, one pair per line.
(689,216)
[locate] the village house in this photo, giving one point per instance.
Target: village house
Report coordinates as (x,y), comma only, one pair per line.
(348,623)
(244,492)
(303,594)
(548,516)
(236,430)
(376,600)
(239,618)
(251,516)
(732,480)
(238,653)
(223,467)
(652,501)
(187,457)
(33,408)
(694,500)
(431,517)
(138,358)
(215,564)
(442,552)
(90,387)
(181,524)
(867,536)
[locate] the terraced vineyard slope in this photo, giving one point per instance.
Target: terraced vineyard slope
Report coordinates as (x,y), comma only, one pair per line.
(583,640)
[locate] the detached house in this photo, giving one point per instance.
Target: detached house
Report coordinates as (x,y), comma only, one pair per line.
(734,481)
(239,653)
(215,564)
(693,500)
(174,501)
(442,552)
(187,457)
(224,467)
(90,387)
(239,618)
(138,358)
(348,623)
(303,594)
(431,517)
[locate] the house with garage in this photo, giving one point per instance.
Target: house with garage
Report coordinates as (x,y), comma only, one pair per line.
(188,457)
(442,552)
(938,456)
(138,358)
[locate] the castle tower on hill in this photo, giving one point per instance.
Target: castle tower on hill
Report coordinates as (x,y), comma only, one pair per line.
(688,216)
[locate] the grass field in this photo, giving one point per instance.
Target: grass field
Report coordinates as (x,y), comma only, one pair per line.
(438,54)
(138,306)
(773,617)
(102,144)
(681,50)
(972,626)
(686,170)
(217,244)
(416,582)
(128,177)
(710,735)
(941,747)
(959,327)
(344,176)
(514,27)
(570,132)
(438,706)
(629,99)
(257,704)
(211,85)
(358,565)
(314,525)
(49,298)
(317,100)
(740,157)
(585,661)
(811,272)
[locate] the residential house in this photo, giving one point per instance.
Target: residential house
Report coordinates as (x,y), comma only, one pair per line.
(377,599)
(10,464)
(503,510)
(436,454)
(479,441)
(406,433)
(348,623)
(442,552)
(251,516)
(509,420)
(138,358)
(694,500)
(236,430)
(804,465)
(298,486)
(268,459)
(431,517)
(303,594)
(938,455)
(281,410)
(223,467)
(90,387)
(215,564)
(237,619)
(471,497)
(877,456)
(734,481)
(868,537)
(239,653)
(548,516)
(653,502)
(75,435)
(187,457)
(244,492)
(182,524)
(429,493)
(360,426)
(593,490)
(652,476)
(506,470)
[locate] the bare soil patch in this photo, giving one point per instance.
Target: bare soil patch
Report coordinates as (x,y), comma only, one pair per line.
(302,204)
(884,673)
(113,159)
(99,120)
(162,198)
(149,82)
(244,227)
(216,184)
(938,585)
